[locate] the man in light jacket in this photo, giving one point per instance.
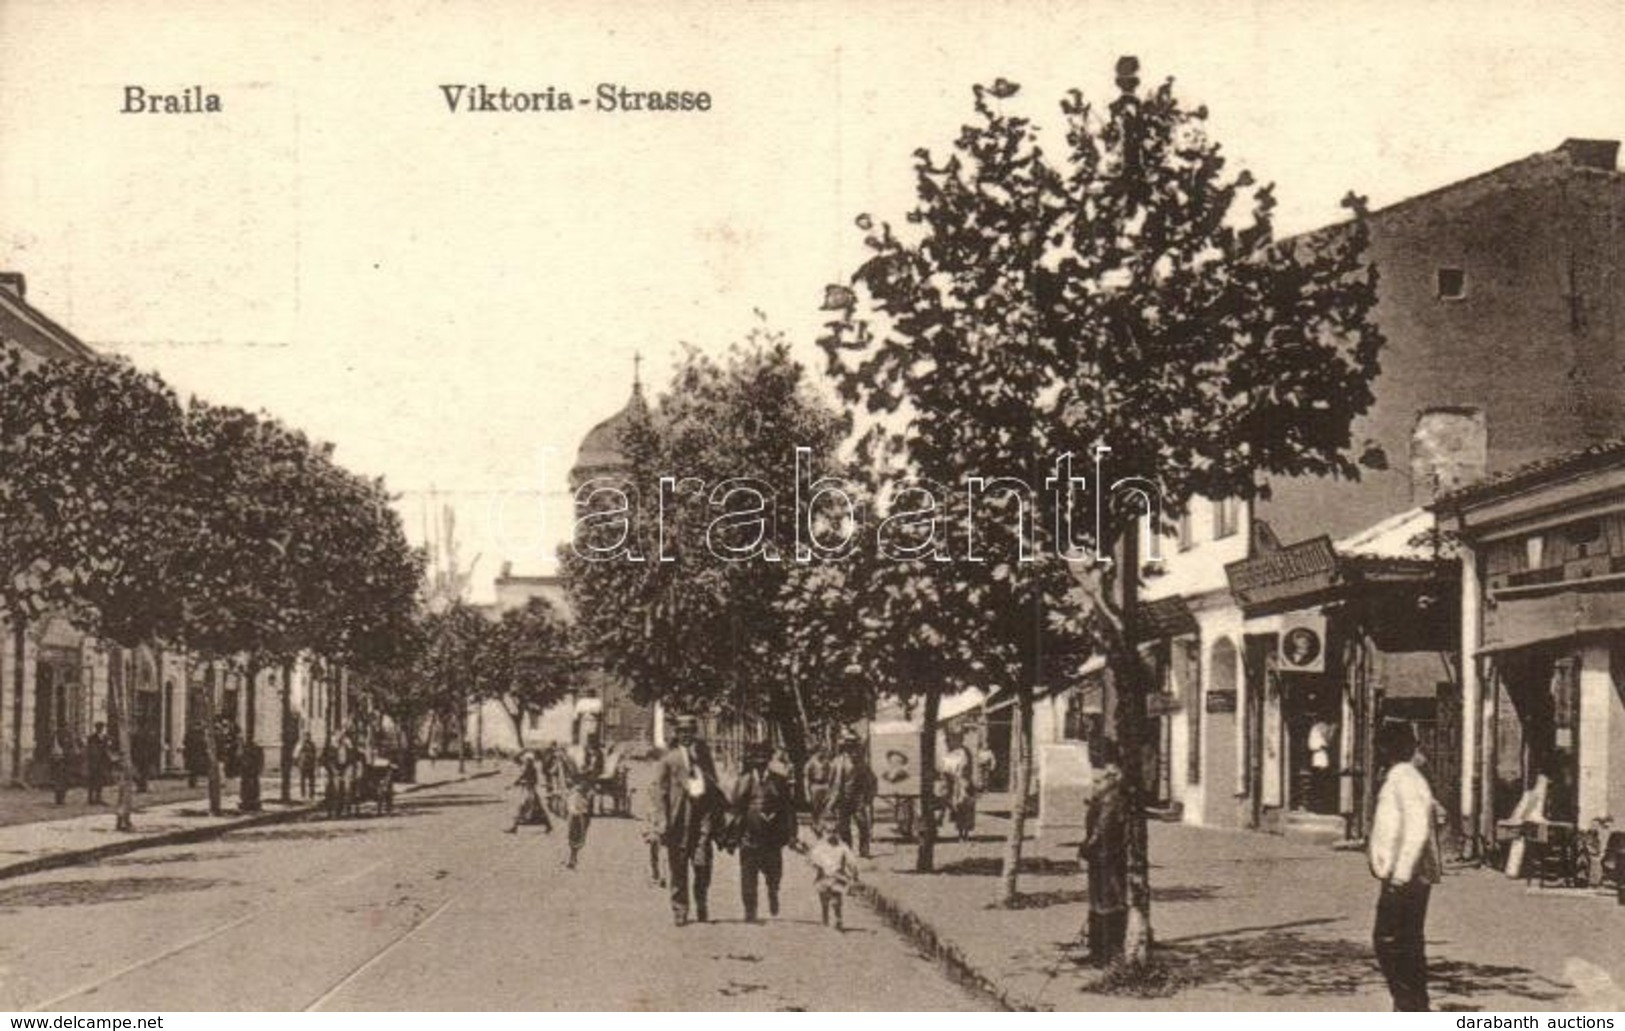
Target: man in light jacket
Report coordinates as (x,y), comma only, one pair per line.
(1405,858)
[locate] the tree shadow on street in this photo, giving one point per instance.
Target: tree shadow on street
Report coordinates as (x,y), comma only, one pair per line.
(321,830)
(92,892)
(1286,961)
(427,807)
(989,866)
(173,857)
(1078,896)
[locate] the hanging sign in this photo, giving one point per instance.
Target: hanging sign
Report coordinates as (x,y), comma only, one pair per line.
(1302,644)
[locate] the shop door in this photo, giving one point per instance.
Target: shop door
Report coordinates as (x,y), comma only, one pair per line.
(1312,709)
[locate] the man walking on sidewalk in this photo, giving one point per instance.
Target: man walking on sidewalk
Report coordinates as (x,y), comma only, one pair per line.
(1405,858)
(689,794)
(852,792)
(767,822)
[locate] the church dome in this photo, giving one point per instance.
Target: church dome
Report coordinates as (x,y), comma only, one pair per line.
(600,450)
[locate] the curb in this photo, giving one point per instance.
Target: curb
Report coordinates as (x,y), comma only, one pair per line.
(189,836)
(934,946)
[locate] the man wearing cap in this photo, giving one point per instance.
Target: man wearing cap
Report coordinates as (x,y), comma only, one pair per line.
(816,776)
(762,804)
(688,802)
(852,791)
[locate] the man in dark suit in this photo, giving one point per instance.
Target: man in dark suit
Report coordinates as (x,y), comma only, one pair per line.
(688,803)
(852,792)
(766,815)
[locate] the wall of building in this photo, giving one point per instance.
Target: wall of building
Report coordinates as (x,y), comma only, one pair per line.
(1536,343)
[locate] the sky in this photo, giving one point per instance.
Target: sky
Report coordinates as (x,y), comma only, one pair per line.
(454,299)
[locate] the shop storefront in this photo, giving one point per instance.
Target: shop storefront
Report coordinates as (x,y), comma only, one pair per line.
(1340,637)
(1543,613)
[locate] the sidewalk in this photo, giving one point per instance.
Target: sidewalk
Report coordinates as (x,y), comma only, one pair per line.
(1245,921)
(47,844)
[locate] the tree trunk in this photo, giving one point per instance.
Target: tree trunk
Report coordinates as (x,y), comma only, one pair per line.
(462,736)
(1131,737)
(19,643)
(289,744)
(126,789)
(1021,778)
(211,745)
(409,752)
(251,706)
(925,859)
(516,715)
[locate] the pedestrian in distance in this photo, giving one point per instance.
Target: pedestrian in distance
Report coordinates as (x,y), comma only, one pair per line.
(816,774)
(835,870)
(334,774)
(98,764)
(1405,858)
(959,778)
(251,764)
(652,834)
(689,800)
(306,760)
(1104,842)
(764,812)
(530,809)
(852,792)
(584,771)
(195,753)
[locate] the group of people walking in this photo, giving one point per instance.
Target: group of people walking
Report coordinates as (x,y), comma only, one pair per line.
(690,817)
(571,784)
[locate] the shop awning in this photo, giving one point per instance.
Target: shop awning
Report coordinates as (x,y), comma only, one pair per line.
(1520,622)
(1166,617)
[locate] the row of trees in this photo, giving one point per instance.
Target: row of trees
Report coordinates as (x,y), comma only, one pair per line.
(1124,297)
(452,656)
(210,530)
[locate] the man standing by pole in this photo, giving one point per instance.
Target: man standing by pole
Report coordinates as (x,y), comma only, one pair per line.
(688,801)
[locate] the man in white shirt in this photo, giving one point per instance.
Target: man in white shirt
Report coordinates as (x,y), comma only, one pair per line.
(1405,858)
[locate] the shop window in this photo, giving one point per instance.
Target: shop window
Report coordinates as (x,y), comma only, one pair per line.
(1534,551)
(1584,537)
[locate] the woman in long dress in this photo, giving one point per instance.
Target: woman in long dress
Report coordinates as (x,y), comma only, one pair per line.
(531,809)
(960,774)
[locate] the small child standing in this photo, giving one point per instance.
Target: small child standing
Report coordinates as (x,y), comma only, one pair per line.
(837,868)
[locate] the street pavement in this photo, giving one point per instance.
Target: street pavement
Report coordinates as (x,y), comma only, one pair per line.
(35,804)
(1250,921)
(433,908)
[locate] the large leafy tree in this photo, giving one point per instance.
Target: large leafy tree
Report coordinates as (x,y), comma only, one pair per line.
(529,662)
(1130,297)
(676,594)
(91,509)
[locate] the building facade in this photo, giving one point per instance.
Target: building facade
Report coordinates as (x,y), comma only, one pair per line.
(1502,299)
(55,678)
(1543,629)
